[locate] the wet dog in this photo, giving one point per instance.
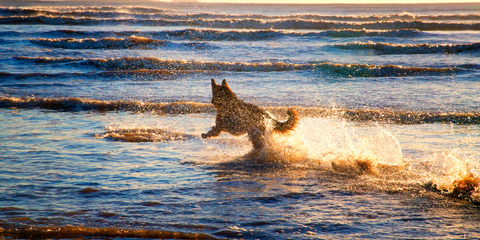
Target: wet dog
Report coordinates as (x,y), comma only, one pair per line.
(237,117)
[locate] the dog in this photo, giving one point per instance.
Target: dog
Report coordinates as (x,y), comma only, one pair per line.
(237,117)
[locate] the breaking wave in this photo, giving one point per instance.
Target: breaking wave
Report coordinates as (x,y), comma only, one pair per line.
(78,10)
(151,13)
(104,43)
(387,116)
(82,104)
(356,115)
(344,33)
(113,43)
(247,23)
(219,35)
(143,134)
(344,70)
(425,48)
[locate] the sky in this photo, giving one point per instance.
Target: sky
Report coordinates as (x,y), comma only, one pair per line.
(341,1)
(299,1)
(295,1)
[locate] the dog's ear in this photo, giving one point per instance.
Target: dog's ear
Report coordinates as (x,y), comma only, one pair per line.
(214,84)
(225,86)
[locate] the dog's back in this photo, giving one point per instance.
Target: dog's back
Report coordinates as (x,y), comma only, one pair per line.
(234,115)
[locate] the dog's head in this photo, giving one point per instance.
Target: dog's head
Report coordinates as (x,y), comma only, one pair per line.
(222,94)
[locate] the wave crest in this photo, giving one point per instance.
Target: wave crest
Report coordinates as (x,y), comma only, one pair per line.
(104,43)
(151,12)
(336,69)
(143,134)
(115,43)
(246,23)
(228,35)
(82,104)
(356,115)
(80,10)
(243,35)
(425,48)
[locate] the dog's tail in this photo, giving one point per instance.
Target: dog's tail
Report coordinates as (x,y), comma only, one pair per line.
(283,127)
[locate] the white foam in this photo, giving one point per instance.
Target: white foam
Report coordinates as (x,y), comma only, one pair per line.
(384,147)
(445,168)
(285,148)
(323,142)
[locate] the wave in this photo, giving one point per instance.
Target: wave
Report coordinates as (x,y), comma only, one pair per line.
(104,43)
(82,104)
(244,35)
(336,69)
(219,35)
(151,13)
(52,10)
(49,59)
(143,74)
(6,75)
(115,43)
(143,134)
(4,41)
(246,23)
(10,33)
(425,48)
(387,116)
(70,231)
(356,115)
(344,33)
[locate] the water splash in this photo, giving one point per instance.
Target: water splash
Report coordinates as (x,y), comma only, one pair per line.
(285,148)
(332,144)
(453,175)
(371,153)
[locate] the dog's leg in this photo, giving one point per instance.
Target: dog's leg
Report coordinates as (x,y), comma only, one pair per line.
(256,137)
(214,132)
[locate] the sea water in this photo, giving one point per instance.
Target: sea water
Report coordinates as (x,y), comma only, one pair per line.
(103,106)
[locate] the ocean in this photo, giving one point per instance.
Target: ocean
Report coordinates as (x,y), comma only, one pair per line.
(102,107)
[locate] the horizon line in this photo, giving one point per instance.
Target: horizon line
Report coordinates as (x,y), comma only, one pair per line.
(339,2)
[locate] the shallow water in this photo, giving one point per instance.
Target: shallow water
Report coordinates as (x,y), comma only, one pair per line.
(103,106)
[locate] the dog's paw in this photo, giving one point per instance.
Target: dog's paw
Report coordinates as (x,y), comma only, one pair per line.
(204,135)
